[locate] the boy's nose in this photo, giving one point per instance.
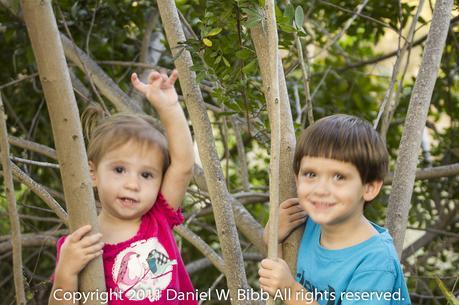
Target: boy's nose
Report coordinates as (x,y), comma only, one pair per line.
(322,187)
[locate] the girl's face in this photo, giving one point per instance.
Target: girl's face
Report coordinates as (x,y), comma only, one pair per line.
(128,180)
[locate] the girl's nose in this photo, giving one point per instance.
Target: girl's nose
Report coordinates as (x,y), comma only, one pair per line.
(132,182)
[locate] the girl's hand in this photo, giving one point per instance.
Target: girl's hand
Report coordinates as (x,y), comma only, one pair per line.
(275,274)
(159,89)
(291,215)
(78,250)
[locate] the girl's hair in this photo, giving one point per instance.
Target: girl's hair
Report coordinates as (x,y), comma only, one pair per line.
(345,138)
(104,132)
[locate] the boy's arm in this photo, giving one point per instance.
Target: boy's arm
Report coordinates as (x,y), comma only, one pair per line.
(161,94)
(76,252)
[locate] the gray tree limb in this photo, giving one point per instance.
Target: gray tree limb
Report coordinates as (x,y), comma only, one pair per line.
(52,68)
(221,199)
(402,186)
(12,210)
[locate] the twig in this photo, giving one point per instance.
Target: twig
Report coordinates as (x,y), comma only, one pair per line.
(33,162)
(12,209)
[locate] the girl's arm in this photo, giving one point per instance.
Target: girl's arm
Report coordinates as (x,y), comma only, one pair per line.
(161,94)
(76,252)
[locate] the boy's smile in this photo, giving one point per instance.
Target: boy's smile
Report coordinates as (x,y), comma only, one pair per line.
(128,180)
(332,192)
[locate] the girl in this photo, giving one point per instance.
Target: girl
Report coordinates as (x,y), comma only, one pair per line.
(140,190)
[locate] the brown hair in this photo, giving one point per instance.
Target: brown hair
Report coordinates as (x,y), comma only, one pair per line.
(105,132)
(345,138)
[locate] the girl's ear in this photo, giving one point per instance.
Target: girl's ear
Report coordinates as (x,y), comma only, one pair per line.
(92,173)
(371,190)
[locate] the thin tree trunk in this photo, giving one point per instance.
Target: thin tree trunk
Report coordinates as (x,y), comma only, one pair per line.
(12,210)
(221,199)
(63,111)
(287,187)
(272,100)
(402,186)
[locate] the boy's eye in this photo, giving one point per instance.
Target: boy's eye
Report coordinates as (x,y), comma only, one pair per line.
(119,169)
(309,174)
(147,175)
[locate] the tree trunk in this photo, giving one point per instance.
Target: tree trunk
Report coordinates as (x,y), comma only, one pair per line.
(221,199)
(287,187)
(63,111)
(12,209)
(402,186)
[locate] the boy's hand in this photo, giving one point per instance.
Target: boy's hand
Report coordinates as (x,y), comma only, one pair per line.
(78,250)
(275,274)
(291,215)
(159,89)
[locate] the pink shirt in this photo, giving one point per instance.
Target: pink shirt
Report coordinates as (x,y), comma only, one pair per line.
(148,268)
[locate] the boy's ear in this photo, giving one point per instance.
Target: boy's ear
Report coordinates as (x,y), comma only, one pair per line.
(92,173)
(371,190)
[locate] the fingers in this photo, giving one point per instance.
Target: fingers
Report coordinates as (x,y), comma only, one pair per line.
(95,249)
(289,202)
(137,84)
(90,240)
(79,233)
(154,76)
(173,77)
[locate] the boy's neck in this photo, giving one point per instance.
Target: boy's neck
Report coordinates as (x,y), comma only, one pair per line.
(345,235)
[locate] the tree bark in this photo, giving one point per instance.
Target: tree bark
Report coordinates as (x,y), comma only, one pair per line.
(12,210)
(221,199)
(402,186)
(287,187)
(63,111)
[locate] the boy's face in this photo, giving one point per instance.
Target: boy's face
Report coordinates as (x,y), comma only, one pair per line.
(332,192)
(128,180)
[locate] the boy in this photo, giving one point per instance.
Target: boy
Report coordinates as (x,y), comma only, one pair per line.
(340,163)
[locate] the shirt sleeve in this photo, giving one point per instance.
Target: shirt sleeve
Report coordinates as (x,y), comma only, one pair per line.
(173,217)
(372,287)
(59,243)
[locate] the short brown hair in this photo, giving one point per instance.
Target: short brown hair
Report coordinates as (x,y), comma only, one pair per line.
(105,132)
(345,138)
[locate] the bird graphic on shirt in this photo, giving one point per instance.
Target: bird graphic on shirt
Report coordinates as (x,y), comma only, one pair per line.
(123,273)
(158,262)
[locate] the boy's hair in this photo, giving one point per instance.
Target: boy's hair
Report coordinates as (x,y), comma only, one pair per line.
(106,132)
(345,138)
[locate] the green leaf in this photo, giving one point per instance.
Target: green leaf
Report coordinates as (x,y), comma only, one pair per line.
(214,32)
(251,66)
(207,42)
(289,12)
(448,294)
(243,54)
(226,62)
(262,2)
(253,22)
(299,17)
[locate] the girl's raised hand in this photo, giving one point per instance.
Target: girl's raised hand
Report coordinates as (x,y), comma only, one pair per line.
(159,89)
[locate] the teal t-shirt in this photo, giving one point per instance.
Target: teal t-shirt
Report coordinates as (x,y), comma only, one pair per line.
(367,273)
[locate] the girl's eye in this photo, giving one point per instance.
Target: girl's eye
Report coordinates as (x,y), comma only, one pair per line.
(119,169)
(147,175)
